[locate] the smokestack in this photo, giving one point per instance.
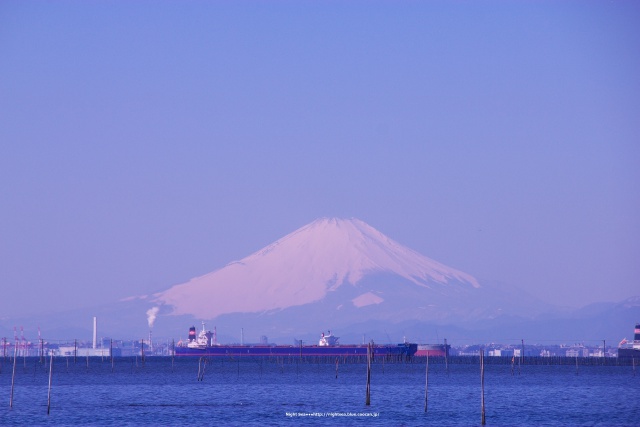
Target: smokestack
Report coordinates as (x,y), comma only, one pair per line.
(95,332)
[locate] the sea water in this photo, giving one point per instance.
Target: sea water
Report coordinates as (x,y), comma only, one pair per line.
(163,392)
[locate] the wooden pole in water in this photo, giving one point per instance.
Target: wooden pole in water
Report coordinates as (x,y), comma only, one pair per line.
(205,361)
(49,392)
(75,350)
(111,353)
(633,362)
(368,397)
(13,375)
(426,385)
(446,356)
(201,371)
(576,365)
(173,352)
(337,358)
(482,417)
(518,366)
(142,350)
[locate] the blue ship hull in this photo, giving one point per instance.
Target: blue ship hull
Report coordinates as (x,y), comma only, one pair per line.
(400,350)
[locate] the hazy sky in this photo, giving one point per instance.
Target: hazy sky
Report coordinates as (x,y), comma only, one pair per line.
(146,143)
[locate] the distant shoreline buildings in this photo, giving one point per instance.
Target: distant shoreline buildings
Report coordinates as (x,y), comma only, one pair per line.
(107,347)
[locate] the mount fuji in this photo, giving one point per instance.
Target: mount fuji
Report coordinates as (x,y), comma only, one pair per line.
(338,273)
(343,275)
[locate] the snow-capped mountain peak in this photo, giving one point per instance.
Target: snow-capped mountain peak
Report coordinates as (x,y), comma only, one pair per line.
(303,266)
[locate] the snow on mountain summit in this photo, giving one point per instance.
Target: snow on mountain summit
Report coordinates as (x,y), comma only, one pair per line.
(303,267)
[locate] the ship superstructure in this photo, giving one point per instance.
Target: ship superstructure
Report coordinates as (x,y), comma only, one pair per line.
(626,349)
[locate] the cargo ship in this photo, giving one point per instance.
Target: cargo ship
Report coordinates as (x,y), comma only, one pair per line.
(204,344)
(630,350)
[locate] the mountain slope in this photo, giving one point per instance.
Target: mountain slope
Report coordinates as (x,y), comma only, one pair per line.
(306,265)
(345,276)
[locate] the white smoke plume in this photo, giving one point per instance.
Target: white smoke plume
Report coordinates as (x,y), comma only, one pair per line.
(151,315)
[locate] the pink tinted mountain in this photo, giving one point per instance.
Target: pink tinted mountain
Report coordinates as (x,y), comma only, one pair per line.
(336,273)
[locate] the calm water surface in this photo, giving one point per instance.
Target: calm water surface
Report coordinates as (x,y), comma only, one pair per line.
(254,392)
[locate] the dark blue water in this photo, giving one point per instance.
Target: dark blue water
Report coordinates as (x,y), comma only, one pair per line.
(271,393)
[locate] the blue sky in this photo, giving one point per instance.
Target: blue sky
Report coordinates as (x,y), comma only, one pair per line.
(146,143)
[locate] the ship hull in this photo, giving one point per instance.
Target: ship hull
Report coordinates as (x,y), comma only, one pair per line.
(629,353)
(400,350)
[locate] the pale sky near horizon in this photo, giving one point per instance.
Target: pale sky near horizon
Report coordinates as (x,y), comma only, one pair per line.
(145,143)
